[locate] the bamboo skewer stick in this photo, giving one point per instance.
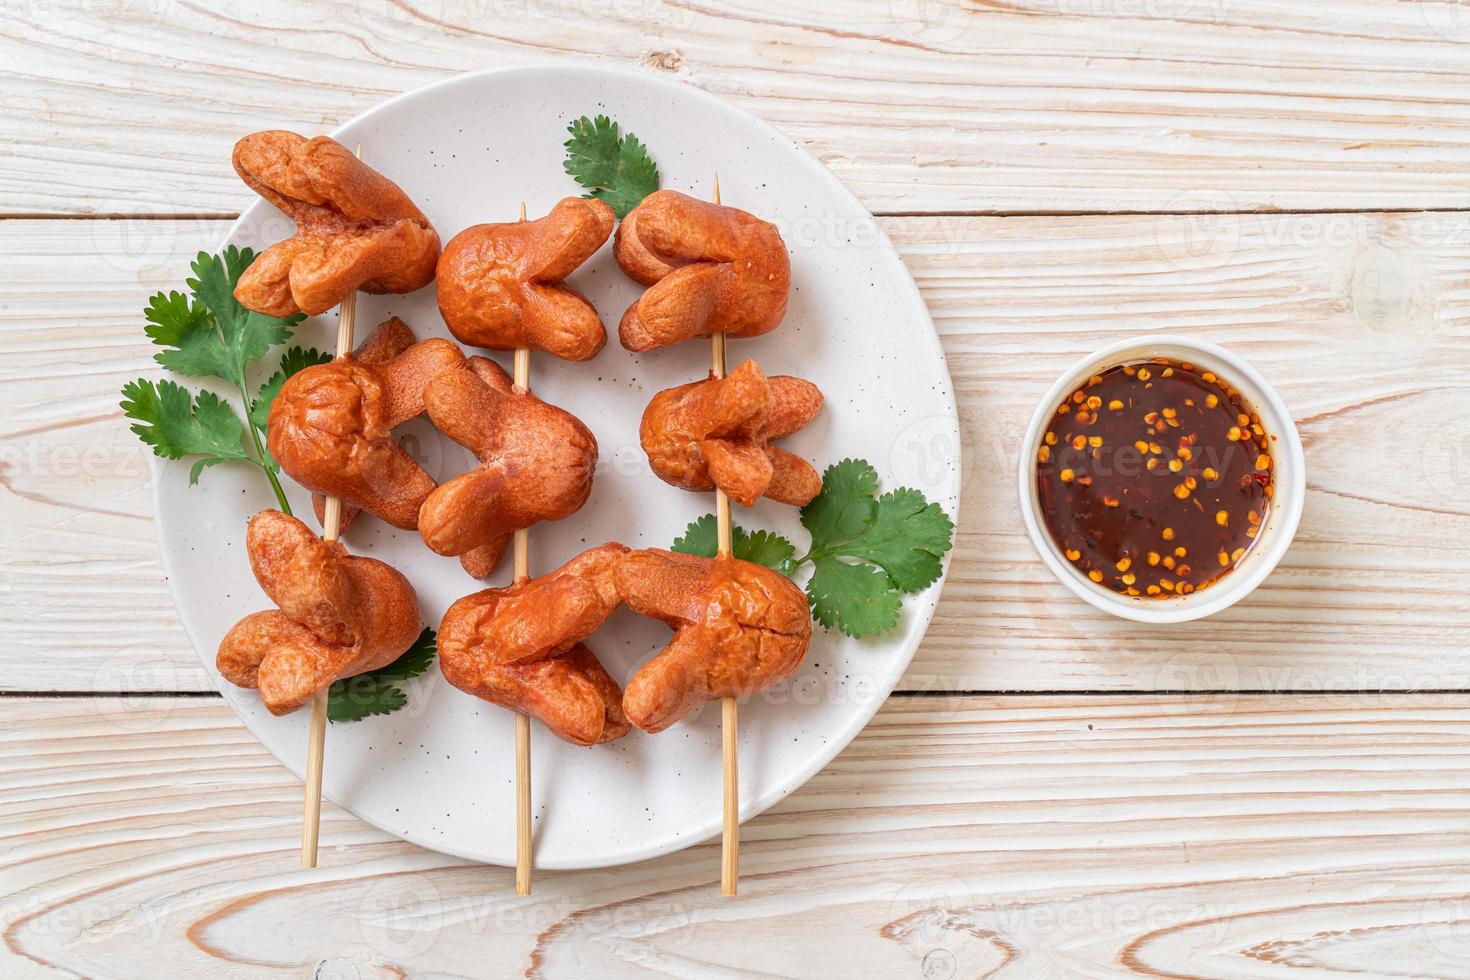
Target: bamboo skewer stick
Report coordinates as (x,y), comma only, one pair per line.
(522,543)
(729,718)
(316,745)
(311,821)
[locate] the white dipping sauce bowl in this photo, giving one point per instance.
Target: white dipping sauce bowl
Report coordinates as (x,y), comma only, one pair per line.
(1289,479)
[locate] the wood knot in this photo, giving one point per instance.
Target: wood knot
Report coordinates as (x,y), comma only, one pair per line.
(670,61)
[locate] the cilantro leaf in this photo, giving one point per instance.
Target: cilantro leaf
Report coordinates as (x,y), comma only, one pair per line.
(763,547)
(175,321)
(908,537)
(701,538)
(414,661)
(356,698)
(243,335)
(377,691)
(897,540)
(294,360)
(845,507)
(615,168)
(177,424)
(859,600)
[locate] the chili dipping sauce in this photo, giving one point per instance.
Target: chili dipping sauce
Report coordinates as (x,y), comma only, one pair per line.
(1154,478)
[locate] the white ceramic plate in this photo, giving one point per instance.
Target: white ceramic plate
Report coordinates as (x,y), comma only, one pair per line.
(440,772)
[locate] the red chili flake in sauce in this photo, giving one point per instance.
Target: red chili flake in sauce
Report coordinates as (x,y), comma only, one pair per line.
(1155,478)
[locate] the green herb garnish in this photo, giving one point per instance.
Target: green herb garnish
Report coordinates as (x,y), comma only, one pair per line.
(614,167)
(178,425)
(763,547)
(866,550)
(208,334)
(377,692)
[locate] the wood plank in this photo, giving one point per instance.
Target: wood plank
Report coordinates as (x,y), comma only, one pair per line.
(1362,321)
(1033,105)
(1251,837)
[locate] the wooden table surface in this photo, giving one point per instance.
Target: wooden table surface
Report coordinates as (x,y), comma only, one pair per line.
(1283,791)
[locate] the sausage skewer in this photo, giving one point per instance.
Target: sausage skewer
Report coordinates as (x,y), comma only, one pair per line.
(500,285)
(729,718)
(311,821)
(522,563)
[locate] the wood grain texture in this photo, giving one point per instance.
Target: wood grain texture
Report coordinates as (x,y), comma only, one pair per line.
(1362,321)
(1255,837)
(919,105)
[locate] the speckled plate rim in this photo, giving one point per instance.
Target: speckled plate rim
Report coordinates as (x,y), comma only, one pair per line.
(1281,524)
(924,332)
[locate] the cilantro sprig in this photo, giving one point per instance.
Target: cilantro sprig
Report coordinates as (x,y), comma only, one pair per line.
(866,552)
(208,334)
(613,166)
(377,692)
